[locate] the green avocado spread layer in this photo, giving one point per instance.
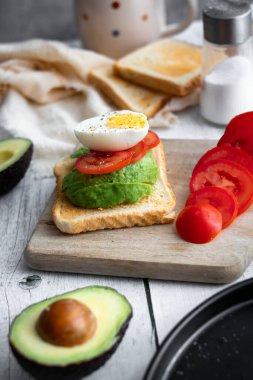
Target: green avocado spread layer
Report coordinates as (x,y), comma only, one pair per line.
(127,185)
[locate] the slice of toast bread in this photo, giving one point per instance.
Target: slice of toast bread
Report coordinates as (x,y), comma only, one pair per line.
(167,65)
(127,95)
(154,209)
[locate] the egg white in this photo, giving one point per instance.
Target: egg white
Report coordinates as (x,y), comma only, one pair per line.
(94,133)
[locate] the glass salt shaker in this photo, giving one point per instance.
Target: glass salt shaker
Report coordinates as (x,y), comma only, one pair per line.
(227,88)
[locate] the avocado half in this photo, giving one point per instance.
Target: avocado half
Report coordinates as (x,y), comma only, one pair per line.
(47,361)
(15,158)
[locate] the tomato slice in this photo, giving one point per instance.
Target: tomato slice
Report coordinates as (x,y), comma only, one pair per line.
(240,138)
(242,121)
(228,153)
(103,162)
(218,197)
(151,140)
(138,151)
(227,174)
(199,223)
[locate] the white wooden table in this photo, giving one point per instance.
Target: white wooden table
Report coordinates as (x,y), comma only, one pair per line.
(157,305)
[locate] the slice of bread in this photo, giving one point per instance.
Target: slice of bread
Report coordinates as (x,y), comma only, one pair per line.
(127,95)
(167,65)
(154,209)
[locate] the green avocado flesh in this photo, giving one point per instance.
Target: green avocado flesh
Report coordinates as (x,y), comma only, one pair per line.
(127,185)
(15,157)
(111,309)
(11,150)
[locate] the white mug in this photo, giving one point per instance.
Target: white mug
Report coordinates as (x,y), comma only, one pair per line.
(115,28)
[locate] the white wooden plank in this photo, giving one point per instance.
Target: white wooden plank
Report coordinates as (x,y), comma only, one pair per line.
(171,301)
(19,212)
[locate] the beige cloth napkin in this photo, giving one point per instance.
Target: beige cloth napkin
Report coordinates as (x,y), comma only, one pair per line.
(46,94)
(46,71)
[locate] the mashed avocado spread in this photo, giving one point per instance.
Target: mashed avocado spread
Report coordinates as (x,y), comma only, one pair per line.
(127,185)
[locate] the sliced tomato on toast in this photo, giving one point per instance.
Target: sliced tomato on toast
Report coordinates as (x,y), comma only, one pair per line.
(96,162)
(103,162)
(138,151)
(151,140)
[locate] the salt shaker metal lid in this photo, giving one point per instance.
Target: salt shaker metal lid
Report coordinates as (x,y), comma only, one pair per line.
(227,23)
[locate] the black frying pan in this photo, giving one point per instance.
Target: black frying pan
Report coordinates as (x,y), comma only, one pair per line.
(214,341)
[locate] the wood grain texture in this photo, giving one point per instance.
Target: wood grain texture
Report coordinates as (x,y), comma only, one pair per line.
(149,252)
(19,213)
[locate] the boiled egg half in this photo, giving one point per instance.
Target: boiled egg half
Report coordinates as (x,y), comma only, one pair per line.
(113,131)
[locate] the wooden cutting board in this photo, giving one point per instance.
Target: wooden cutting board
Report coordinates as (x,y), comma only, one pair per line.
(148,252)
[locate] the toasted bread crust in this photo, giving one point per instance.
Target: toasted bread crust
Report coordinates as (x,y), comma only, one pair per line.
(163,84)
(144,67)
(140,99)
(154,209)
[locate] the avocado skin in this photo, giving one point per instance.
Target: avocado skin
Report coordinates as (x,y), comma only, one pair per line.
(73,371)
(10,177)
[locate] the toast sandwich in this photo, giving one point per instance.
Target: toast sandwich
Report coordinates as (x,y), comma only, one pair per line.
(156,208)
(167,65)
(127,95)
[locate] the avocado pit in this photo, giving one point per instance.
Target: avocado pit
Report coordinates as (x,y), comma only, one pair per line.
(66,323)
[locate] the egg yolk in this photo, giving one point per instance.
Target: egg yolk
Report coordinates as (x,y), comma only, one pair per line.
(127,121)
